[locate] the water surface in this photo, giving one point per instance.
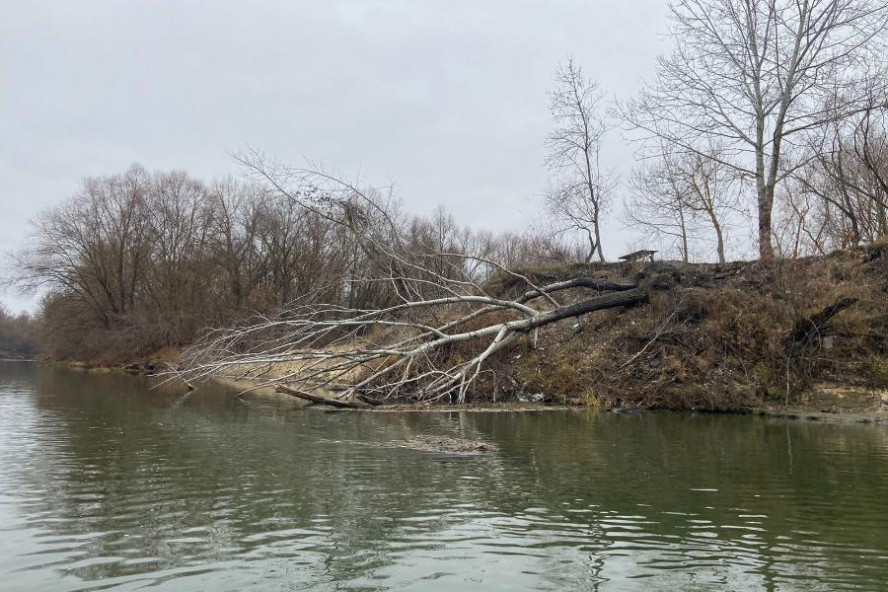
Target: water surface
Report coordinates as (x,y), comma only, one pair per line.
(107,485)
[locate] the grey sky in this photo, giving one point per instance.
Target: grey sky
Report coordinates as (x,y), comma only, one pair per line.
(445,98)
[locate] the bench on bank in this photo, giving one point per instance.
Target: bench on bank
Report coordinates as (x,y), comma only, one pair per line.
(638,256)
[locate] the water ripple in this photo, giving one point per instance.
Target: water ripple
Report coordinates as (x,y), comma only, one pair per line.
(105,485)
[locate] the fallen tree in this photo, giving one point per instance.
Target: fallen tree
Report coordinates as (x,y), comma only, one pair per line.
(330,349)
(718,337)
(316,399)
(405,350)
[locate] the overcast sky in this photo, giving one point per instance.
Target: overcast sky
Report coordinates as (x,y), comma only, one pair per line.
(444,98)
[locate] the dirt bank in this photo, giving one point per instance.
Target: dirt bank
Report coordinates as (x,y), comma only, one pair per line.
(809,334)
(790,338)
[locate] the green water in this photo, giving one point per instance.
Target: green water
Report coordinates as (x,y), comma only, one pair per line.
(105,485)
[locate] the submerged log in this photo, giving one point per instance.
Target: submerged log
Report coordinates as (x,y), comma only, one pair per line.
(322,400)
(446,444)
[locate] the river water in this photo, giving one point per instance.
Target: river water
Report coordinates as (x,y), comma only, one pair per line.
(108,485)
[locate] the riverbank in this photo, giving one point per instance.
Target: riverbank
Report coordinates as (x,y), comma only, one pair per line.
(832,405)
(808,334)
(792,337)
(840,407)
(159,362)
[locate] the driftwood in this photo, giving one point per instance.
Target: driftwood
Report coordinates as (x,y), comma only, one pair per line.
(428,443)
(321,400)
(445,444)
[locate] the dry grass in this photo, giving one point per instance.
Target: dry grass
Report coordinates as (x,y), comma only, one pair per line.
(712,337)
(718,338)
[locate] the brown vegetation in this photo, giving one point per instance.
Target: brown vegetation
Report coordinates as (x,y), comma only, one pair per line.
(720,337)
(141,263)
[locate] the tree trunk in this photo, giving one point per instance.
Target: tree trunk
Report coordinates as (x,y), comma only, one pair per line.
(322,400)
(598,240)
(684,234)
(612,300)
(719,237)
(765,209)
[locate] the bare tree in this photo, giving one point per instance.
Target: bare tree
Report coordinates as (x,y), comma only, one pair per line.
(579,193)
(19,334)
(239,263)
(753,75)
(177,268)
(847,171)
(124,262)
(686,195)
(659,203)
(713,192)
(93,245)
(803,224)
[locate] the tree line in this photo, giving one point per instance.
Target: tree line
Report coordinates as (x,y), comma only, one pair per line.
(141,261)
(768,116)
(19,335)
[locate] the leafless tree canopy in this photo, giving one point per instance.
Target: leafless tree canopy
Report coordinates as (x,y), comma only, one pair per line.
(19,335)
(658,206)
(838,199)
(138,262)
(686,197)
(755,76)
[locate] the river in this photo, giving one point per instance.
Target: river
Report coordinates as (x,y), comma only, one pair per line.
(106,484)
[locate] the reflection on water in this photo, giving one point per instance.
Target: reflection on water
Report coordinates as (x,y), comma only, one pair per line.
(107,485)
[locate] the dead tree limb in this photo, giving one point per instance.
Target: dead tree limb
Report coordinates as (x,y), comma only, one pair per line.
(321,400)
(410,349)
(327,348)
